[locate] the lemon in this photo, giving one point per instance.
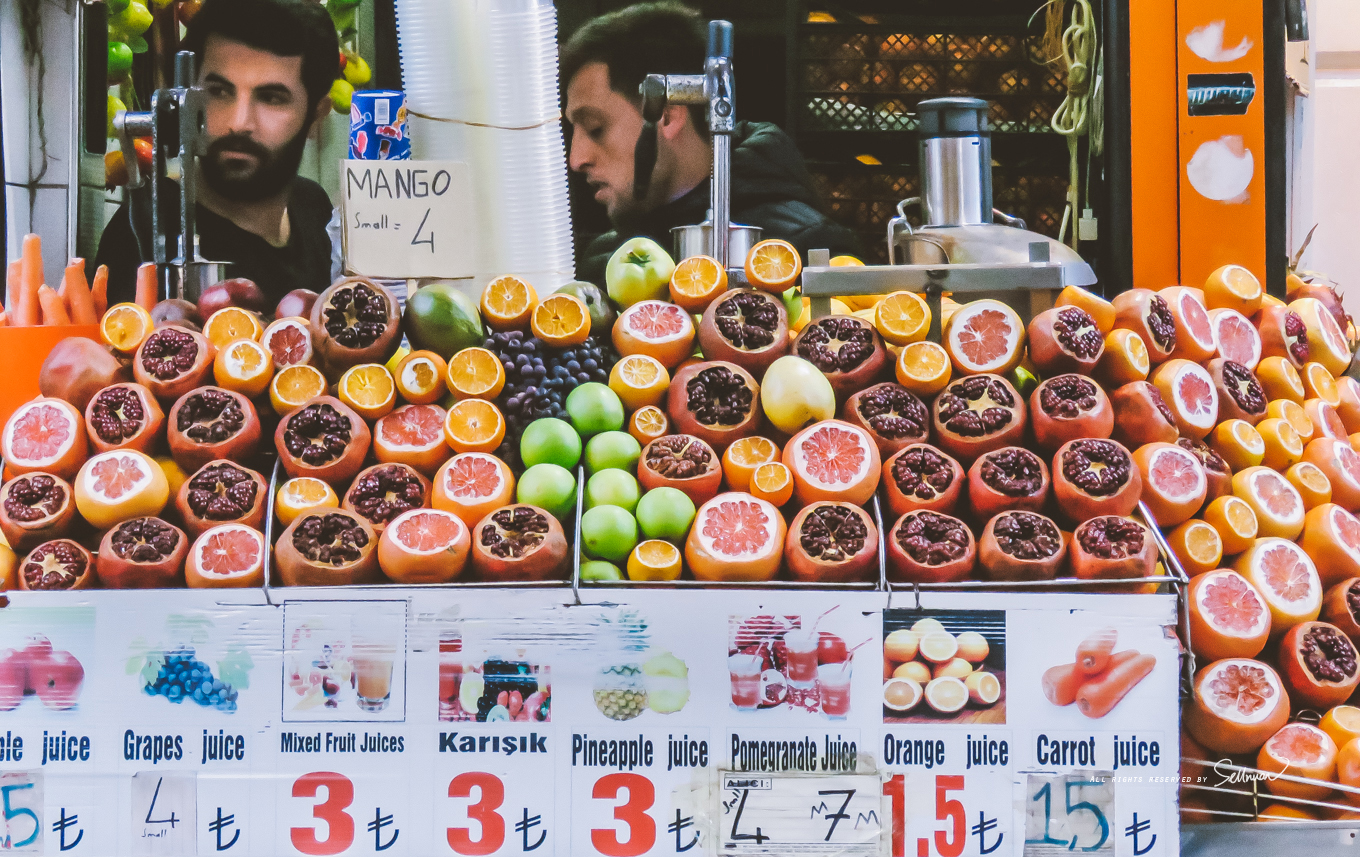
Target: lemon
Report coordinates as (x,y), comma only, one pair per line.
(471,691)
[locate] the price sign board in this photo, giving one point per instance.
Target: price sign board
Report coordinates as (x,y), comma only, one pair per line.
(407,218)
(164,809)
(798,814)
(1069,812)
(21,797)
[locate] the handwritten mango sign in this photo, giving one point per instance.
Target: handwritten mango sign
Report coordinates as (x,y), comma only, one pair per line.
(407,218)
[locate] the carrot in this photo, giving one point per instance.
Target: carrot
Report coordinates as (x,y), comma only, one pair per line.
(30,278)
(1061,684)
(1100,695)
(53,310)
(78,299)
(146,286)
(99,292)
(12,280)
(1093,654)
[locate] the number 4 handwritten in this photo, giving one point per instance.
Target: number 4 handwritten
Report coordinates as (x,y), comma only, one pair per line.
(416,239)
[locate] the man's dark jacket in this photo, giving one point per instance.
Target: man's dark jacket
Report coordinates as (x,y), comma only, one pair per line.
(771,188)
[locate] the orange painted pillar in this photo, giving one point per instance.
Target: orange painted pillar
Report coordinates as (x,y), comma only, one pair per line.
(1153,154)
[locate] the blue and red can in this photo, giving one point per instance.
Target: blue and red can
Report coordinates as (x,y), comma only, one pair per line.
(377,126)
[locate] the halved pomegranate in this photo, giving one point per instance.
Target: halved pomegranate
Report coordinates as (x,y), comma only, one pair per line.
(1113,547)
(1194,333)
(1093,477)
(34,508)
(519,542)
(977,414)
(747,327)
(330,547)
(928,547)
(1065,339)
(1142,416)
(1216,470)
(922,477)
(846,348)
(1318,665)
(222,492)
(1021,546)
(143,553)
(1147,314)
(715,401)
(172,361)
(324,439)
(681,461)
(211,423)
(355,321)
(1008,478)
(1341,606)
(832,543)
(1283,334)
(384,491)
(1066,407)
(892,415)
(56,565)
(1240,396)
(124,416)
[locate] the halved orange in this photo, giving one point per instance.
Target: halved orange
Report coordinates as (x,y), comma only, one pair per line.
(696,281)
(1197,545)
(294,386)
(1097,307)
(245,366)
(1311,483)
(125,327)
(474,425)
(1239,443)
(1280,379)
(475,373)
(1233,287)
(743,456)
(471,485)
(773,265)
(1277,504)
(1235,522)
(300,494)
(561,320)
(902,318)
(639,380)
(230,323)
(924,368)
(369,389)
(1318,383)
(773,483)
(1293,413)
(648,423)
(289,341)
(507,303)
(1283,446)
(654,559)
(1125,358)
(1342,723)
(420,377)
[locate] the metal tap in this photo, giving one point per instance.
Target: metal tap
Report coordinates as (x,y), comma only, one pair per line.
(716,88)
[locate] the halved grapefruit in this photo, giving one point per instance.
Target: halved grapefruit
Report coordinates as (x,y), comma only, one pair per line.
(984,336)
(1228,616)
(1299,750)
(228,556)
(1324,419)
(1279,508)
(1239,704)
(1174,482)
(289,340)
(833,460)
(1235,338)
(1194,333)
(45,434)
(115,486)
(656,328)
(1340,463)
(1331,538)
(424,546)
(472,485)
(413,435)
(736,537)
(1189,389)
(1326,342)
(1287,579)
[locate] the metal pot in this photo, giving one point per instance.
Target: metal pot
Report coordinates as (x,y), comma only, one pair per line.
(694,241)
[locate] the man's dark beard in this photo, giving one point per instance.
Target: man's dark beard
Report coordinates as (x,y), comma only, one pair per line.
(273,172)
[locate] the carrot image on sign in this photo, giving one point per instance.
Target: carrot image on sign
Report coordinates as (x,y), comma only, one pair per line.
(1099,678)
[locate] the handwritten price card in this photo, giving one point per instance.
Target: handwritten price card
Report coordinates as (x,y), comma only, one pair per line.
(22,795)
(791,814)
(1068,813)
(164,813)
(407,218)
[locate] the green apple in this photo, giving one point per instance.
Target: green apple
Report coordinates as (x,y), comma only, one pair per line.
(602,313)
(665,513)
(594,408)
(550,441)
(612,488)
(612,449)
(608,532)
(598,569)
(640,270)
(548,487)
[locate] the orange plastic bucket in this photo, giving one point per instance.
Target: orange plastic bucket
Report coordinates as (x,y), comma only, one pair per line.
(24,349)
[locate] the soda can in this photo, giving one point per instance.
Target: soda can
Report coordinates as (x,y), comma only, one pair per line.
(377,126)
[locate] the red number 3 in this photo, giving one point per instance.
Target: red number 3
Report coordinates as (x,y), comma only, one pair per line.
(340,827)
(641,827)
(483,812)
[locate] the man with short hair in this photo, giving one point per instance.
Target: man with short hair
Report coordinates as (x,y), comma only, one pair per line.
(266,67)
(602,66)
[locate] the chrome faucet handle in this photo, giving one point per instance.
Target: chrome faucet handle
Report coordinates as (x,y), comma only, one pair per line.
(898,224)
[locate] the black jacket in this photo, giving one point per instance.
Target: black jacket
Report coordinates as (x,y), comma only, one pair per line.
(771,188)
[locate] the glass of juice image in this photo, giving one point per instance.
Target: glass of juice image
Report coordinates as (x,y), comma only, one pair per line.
(373,674)
(833,684)
(450,673)
(800,650)
(745,671)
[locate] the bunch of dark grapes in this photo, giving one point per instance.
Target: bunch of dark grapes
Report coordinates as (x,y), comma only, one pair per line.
(186,677)
(538,378)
